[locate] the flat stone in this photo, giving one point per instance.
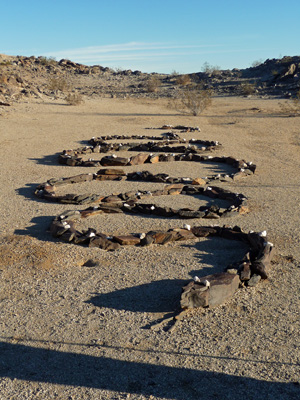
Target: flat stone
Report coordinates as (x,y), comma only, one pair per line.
(103,243)
(182,234)
(173,189)
(90,212)
(139,159)
(111,171)
(109,177)
(204,231)
(127,240)
(111,161)
(199,181)
(111,199)
(190,214)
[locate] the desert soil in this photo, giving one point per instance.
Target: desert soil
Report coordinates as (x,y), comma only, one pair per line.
(69,331)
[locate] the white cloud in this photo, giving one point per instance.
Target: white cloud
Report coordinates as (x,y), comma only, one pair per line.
(132,50)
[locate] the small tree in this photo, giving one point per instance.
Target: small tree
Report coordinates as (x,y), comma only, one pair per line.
(192,100)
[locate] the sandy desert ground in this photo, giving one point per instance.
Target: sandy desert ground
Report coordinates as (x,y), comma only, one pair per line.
(74,332)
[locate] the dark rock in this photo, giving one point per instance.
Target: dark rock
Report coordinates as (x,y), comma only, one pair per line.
(221,288)
(190,214)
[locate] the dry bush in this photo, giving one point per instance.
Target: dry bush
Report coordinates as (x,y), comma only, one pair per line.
(47,60)
(153,84)
(192,100)
(247,88)
(210,69)
(291,107)
(183,80)
(74,99)
(57,84)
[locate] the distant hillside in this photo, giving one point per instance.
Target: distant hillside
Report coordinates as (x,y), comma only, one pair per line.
(40,77)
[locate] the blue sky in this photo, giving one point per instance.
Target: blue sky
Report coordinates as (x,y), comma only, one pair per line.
(152,35)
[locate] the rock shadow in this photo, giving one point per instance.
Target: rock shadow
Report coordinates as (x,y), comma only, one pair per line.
(215,254)
(46,160)
(39,230)
(154,297)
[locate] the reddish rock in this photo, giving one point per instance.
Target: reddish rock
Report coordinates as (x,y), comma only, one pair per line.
(199,181)
(153,159)
(174,189)
(139,159)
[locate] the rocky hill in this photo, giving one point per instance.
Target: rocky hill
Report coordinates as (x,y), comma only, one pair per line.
(39,77)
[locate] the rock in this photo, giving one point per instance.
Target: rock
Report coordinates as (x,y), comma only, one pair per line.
(147,240)
(90,212)
(232,271)
(255,279)
(109,177)
(194,295)
(153,159)
(90,263)
(104,244)
(173,189)
(127,240)
(245,271)
(204,231)
(211,215)
(190,214)
(139,159)
(199,181)
(111,161)
(221,288)
(111,171)
(182,234)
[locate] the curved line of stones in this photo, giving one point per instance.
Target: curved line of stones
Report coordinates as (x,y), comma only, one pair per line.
(127,202)
(100,145)
(255,261)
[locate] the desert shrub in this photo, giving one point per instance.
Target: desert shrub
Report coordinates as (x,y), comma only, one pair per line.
(57,84)
(210,69)
(74,99)
(5,63)
(183,80)
(153,84)
(256,63)
(192,100)
(292,106)
(47,60)
(174,73)
(247,88)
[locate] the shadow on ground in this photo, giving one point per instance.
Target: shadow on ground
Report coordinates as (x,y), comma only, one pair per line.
(157,296)
(80,370)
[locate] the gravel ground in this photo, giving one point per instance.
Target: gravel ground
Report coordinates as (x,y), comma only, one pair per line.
(74,332)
